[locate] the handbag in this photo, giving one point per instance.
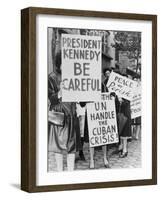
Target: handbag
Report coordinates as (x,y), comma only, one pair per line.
(122,119)
(56,118)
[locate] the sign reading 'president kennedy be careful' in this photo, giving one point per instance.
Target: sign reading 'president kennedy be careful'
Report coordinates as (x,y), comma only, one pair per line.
(81,67)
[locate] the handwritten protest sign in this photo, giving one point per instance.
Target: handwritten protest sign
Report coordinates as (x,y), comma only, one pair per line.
(81,67)
(102,124)
(136,102)
(122,86)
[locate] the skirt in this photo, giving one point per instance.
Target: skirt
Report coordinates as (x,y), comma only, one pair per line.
(126,131)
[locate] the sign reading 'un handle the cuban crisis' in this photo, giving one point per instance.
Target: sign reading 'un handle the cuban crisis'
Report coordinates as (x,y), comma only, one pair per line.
(102,123)
(81,67)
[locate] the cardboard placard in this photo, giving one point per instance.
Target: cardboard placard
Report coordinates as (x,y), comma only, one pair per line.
(121,85)
(136,103)
(102,123)
(81,67)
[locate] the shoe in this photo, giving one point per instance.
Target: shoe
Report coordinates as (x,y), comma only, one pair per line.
(107,166)
(120,151)
(117,151)
(123,155)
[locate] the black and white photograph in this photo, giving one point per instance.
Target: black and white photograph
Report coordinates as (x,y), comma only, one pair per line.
(89,99)
(94,99)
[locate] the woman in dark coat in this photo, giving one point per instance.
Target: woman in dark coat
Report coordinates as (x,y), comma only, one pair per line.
(63,138)
(123,107)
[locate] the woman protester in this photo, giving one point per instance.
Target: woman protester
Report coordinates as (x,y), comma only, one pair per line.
(106,74)
(63,137)
(124,124)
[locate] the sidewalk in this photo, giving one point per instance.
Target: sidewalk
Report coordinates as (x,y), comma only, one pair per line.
(133,160)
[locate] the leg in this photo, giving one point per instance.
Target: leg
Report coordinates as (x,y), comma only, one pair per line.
(125,151)
(91,150)
(138,129)
(124,145)
(133,130)
(81,154)
(82,123)
(120,145)
(70,161)
(106,163)
(59,161)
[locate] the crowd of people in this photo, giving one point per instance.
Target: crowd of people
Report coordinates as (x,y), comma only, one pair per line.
(71,136)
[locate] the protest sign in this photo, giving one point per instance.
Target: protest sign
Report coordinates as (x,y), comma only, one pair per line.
(121,85)
(102,123)
(136,102)
(81,67)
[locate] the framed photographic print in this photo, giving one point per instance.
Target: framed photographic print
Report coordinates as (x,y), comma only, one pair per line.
(88,99)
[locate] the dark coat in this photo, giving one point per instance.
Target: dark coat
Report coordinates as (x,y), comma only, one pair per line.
(124,108)
(61,138)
